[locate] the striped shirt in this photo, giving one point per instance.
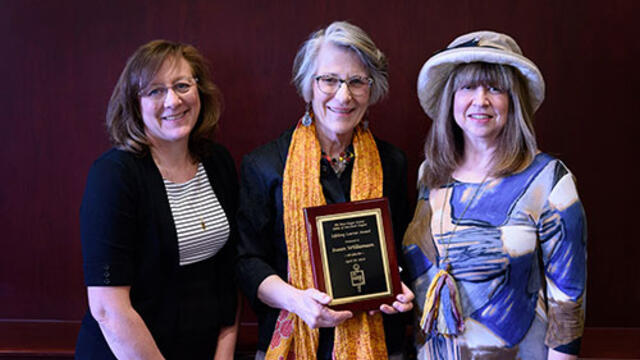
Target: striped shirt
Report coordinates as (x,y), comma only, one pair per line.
(201,224)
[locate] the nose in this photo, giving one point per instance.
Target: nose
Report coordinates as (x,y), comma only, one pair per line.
(480,96)
(343,93)
(172,98)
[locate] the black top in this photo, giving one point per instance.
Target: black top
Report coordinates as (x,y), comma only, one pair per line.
(129,239)
(262,248)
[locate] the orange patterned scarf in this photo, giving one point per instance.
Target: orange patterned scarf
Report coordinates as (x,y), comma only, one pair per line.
(362,336)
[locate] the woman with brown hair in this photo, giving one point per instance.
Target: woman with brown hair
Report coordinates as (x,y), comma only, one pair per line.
(157,217)
(497,245)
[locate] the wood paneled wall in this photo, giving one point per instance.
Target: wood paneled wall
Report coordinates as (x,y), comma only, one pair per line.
(62,58)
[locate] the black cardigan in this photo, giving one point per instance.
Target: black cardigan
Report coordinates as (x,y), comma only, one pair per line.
(262,249)
(129,239)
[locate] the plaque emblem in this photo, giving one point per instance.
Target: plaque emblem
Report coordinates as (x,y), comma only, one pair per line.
(357,277)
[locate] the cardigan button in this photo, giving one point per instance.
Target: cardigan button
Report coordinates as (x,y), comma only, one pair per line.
(107,281)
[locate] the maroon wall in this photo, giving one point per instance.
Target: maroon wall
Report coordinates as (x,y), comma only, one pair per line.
(62,58)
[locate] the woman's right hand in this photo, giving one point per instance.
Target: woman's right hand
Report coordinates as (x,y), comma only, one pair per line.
(312,309)
(309,304)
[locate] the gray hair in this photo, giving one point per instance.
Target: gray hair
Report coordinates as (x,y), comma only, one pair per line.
(346,35)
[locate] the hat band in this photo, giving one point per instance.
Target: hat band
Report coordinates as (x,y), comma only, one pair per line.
(475,42)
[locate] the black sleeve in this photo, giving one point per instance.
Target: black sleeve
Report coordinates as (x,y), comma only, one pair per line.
(394,167)
(572,348)
(395,188)
(256,216)
(107,223)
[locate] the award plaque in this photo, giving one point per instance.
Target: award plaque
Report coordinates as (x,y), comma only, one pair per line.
(353,253)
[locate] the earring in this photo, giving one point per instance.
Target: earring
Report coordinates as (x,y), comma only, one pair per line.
(365,121)
(308,117)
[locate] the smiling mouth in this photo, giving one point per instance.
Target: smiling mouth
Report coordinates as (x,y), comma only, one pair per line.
(340,111)
(174,116)
(480,116)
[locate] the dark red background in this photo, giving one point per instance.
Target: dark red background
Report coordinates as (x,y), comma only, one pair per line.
(62,58)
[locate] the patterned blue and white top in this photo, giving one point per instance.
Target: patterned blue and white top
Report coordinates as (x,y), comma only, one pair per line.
(518,256)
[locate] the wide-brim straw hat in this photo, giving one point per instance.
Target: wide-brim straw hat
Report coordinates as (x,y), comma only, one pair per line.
(480,46)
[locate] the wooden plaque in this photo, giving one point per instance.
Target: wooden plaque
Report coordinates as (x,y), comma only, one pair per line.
(353,253)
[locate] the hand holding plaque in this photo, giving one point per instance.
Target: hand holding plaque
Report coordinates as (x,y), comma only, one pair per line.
(353,253)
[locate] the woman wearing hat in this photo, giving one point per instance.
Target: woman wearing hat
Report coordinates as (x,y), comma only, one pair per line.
(497,245)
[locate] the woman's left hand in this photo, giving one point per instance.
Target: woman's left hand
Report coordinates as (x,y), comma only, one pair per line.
(404,303)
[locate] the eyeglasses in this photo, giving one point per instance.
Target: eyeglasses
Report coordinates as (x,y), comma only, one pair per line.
(357,85)
(159,93)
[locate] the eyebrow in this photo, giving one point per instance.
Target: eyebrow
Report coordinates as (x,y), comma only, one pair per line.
(173,82)
(338,76)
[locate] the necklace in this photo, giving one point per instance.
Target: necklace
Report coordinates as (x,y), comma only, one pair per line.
(190,189)
(455,224)
(203,225)
(168,176)
(449,322)
(340,163)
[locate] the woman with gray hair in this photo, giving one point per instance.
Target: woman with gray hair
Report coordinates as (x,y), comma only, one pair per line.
(329,156)
(497,246)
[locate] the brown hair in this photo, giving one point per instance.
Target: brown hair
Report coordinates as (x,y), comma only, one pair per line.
(124,120)
(444,147)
